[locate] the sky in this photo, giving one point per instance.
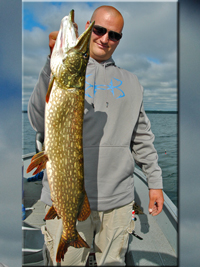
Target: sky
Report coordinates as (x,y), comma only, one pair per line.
(11,137)
(148,47)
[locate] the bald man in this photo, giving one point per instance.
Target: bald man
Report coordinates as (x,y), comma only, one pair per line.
(116,134)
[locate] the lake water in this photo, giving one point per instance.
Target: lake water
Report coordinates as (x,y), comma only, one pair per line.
(164,127)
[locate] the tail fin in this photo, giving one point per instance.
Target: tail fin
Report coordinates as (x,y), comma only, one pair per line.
(63,246)
(38,161)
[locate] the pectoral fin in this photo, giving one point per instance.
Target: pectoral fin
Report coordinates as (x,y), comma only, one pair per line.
(38,161)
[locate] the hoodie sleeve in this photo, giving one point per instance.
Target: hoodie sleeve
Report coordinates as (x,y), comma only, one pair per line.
(144,153)
(36,105)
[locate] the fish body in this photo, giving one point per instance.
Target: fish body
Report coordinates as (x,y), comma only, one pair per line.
(63,154)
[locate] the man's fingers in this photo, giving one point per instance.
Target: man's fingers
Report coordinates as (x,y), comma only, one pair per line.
(151,205)
(156,201)
(53,35)
(156,209)
(52,40)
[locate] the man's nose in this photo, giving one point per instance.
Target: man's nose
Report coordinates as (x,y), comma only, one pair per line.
(105,38)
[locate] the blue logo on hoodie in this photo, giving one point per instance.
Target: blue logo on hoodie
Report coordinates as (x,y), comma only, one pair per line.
(114,89)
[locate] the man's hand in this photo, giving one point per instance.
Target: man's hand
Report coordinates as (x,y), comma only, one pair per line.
(156,201)
(52,40)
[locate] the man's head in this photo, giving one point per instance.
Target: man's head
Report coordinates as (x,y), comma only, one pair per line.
(103,46)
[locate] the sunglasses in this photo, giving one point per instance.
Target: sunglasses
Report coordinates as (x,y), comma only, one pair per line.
(113,36)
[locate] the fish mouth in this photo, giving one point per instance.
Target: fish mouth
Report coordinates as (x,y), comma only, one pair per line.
(67,37)
(71,15)
(84,39)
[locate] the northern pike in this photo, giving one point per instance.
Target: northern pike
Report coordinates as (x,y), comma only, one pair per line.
(63,150)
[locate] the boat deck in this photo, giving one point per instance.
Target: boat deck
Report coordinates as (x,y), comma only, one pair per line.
(153,250)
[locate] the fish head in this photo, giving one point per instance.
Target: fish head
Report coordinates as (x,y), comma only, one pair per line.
(66,38)
(71,54)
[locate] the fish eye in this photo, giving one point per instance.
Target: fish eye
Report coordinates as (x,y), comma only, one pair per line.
(85,55)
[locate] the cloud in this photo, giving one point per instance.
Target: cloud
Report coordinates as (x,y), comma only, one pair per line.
(10,133)
(189,129)
(10,117)
(151,29)
(35,40)
(148,46)
(11,182)
(189,242)
(10,63)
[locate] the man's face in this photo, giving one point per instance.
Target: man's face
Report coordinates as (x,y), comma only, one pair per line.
(101,47)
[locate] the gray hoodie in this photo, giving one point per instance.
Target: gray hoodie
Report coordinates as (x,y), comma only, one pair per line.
(116,134)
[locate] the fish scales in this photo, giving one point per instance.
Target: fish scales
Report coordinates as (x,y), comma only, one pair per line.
(65,164)
(63,154)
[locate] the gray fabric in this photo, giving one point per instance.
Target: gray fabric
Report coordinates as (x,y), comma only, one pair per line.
(116,131)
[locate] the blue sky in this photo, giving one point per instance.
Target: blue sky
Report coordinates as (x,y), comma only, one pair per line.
(30,21)
(10,131)
(148,47)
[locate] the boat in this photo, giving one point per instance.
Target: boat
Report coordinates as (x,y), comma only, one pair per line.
(159,244)
(154,241)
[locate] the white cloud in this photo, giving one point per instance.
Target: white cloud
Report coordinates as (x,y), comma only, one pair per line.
(189,236)
(11,183)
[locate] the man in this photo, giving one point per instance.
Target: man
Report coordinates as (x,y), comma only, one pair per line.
(114,122)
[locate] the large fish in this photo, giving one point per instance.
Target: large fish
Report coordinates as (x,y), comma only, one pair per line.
(63,154)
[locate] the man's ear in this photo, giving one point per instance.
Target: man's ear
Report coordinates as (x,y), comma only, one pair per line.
(87,24)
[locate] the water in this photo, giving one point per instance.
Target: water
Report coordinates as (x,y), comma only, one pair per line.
(164,127)
(28,135)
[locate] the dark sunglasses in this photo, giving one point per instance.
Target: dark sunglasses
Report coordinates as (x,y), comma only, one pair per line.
(113,36)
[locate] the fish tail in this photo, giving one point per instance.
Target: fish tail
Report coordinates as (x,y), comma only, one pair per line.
(38,161)
(64,244)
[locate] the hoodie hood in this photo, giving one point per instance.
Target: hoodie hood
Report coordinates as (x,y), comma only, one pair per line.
(106,63)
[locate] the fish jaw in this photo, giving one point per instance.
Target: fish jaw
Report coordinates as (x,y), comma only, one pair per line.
(70,55)
(66,37)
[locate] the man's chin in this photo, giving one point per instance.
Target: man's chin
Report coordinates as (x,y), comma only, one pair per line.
(102,55)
